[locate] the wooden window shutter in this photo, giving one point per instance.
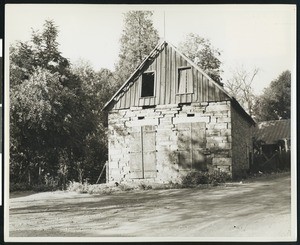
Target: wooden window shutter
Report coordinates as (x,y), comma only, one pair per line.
(189,81)
(185,80)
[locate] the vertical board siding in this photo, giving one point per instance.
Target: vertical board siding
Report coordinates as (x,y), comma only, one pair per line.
(211,91)
(163,77)
(132,95)
(195,86)
(158,82)
(177,64)
(165,66)
(172,79)
(168,70)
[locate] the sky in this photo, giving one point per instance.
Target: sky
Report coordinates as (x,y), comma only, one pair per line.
(248,36)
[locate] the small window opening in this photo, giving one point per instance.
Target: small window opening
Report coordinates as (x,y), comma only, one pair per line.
(148,106)
(141,118)
(185,80)
(147,84)
(191,115)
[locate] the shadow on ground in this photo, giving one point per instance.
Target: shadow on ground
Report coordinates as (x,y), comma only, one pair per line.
(248,209)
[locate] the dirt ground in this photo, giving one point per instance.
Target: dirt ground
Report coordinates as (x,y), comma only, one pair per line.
(256,208)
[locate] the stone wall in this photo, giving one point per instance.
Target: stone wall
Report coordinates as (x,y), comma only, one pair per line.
(166,120)
(241,144)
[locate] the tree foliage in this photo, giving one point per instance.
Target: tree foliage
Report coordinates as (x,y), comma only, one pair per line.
(41,51)
(203,54)
(275,102)
(138,39)
(56,125)
(240,87)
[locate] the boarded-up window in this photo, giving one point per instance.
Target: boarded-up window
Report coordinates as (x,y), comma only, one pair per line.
(147,84)
(191,146)
(185,80)
(143,152)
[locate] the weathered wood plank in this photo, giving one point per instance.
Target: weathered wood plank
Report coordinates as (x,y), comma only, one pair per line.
(217,94)
(195,86)
(123,101)
(206,88)
(177,65)
(131,95)
(137,91)
(163,78)
(168,72)
(211,91)
(158,72)
(172,77)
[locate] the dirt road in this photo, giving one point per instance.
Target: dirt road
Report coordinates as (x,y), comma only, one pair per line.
(258,208)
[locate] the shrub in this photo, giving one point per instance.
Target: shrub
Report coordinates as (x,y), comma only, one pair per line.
(36,188)
(43,188)
(144,186)
(18,187)
(78,187)
(199,177)
(124,187)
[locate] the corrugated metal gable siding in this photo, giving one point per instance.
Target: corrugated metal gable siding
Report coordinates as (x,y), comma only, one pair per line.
(165,66)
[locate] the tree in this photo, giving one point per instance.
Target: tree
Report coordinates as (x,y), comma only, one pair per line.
(41,51)
(53,113)
(203,54)
(240,87)
(138,39)
(275,102)
(99,87)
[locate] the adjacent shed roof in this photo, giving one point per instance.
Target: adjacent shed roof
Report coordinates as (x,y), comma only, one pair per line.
(272,131)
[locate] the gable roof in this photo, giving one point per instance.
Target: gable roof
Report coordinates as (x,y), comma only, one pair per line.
(272,131)
(159,48)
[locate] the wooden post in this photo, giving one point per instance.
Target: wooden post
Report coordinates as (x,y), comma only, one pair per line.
(285,145)
(101,173)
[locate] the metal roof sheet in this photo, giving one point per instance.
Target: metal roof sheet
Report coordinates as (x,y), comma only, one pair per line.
(272,131)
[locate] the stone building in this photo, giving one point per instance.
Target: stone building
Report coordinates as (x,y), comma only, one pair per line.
(169,118)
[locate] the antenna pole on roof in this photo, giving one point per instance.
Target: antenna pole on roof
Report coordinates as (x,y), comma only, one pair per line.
(164,26)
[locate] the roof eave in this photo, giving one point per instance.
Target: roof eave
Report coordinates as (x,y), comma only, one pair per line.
(134,73)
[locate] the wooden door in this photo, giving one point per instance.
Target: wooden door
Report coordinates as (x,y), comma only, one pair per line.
(143,152)
(149,151)
(198,139)
(136,158)
(191,146)
(185,146)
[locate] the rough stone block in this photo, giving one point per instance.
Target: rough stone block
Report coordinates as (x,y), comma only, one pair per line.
(165,120)
(223,168)
(213,119)
(114,163)
(224,119)
(217,108)
(115,172)
(226,132)
(167,106)
(212,132)
(136,108)
(220,126)
(224,145)
(152,121)
(222,161)
(177,120)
